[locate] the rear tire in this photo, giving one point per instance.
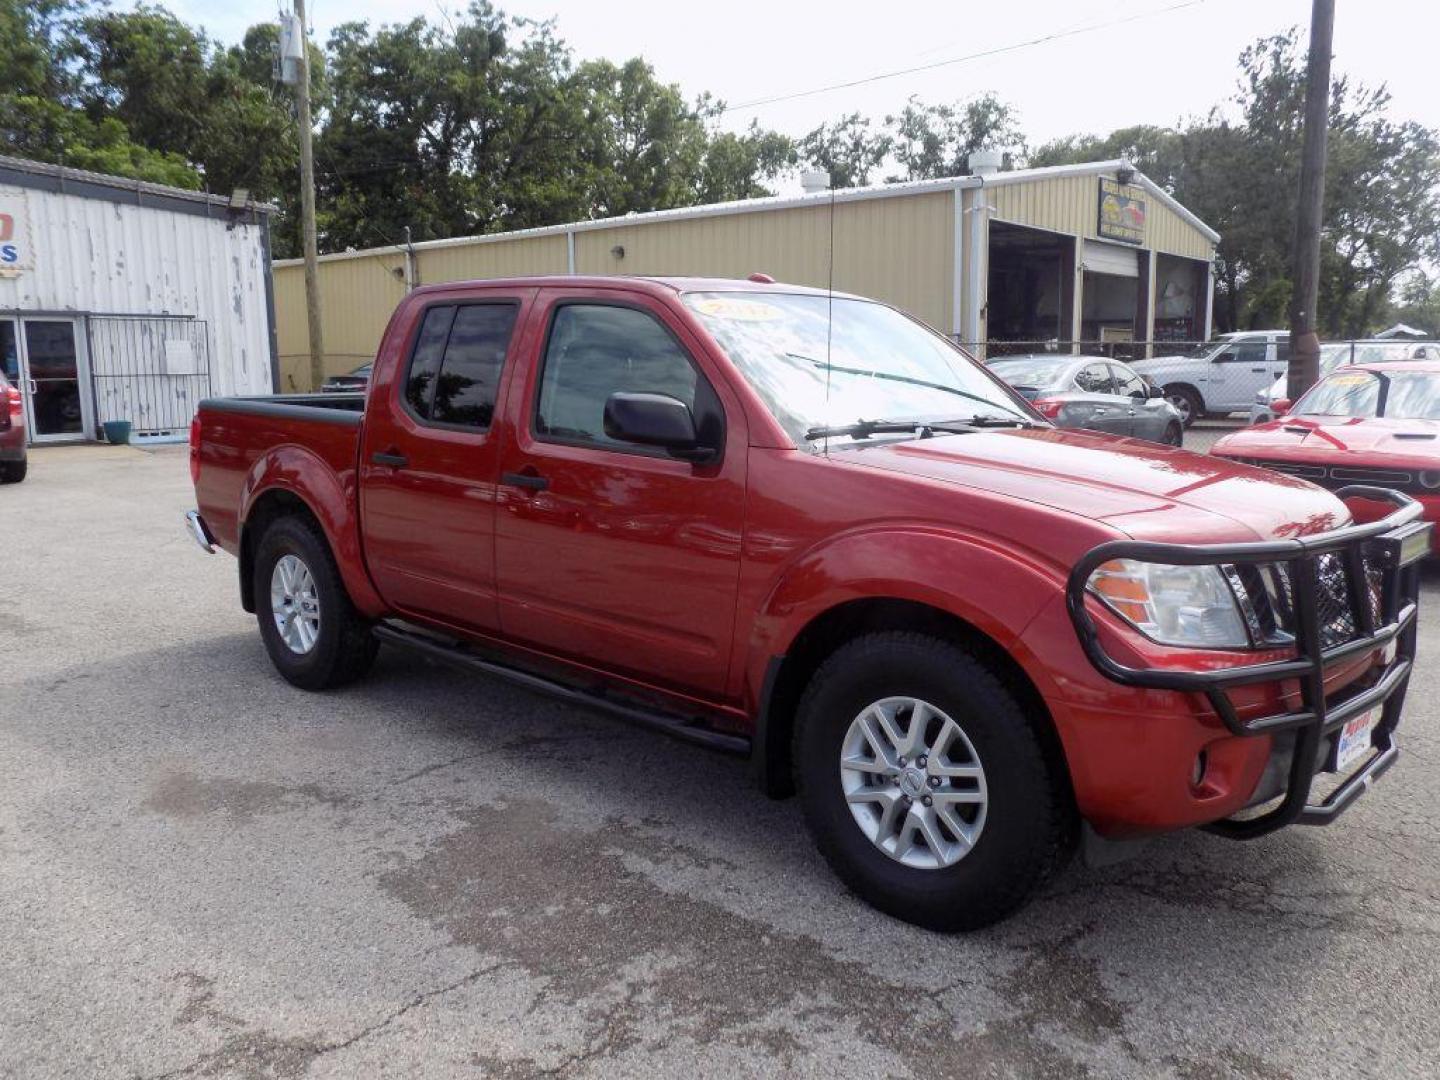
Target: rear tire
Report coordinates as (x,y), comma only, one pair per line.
(1017,835)
(1187,402)
(12,472)
(334,645)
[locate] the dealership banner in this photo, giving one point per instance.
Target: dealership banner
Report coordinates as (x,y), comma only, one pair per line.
(16,253)
(1122,215)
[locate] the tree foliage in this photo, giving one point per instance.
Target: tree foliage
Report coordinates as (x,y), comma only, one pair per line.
(488,122)
(1239,167)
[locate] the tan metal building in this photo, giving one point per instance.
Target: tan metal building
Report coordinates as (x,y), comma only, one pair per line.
(1071,257)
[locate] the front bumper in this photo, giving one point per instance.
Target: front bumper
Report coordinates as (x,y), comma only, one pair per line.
(1394,544)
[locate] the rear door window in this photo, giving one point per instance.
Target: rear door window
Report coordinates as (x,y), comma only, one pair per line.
(454,374)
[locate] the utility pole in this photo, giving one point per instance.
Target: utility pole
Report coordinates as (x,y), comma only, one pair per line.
(307,207)
(1305,297)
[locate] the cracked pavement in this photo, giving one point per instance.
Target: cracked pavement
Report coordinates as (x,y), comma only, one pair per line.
(207,873)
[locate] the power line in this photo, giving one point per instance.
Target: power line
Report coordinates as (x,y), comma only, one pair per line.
(1055,36)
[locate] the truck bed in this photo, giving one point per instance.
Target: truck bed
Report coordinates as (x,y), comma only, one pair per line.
(314,436)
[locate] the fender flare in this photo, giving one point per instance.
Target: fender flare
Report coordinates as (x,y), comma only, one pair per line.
(331,498)
(993,590)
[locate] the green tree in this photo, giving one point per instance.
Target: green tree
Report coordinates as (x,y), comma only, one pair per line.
(849,150)
(934,141)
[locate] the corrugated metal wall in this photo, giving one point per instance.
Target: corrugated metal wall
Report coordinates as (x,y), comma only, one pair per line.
(1070,204)
(493,259)
(895,249)
(96,256)
(898,248)
(357,296)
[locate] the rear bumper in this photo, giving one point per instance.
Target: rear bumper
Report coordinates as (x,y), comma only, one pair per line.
(13,453)
(1290,708)
(200,532)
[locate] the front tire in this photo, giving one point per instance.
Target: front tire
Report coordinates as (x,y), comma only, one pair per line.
(1187,403)
(1175,435)
(924,783)
(311,630)
(12,472)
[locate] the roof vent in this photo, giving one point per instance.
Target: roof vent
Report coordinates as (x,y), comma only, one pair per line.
(815,181)
(986,162)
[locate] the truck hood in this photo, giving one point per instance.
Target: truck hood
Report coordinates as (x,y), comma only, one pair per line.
(1145,490)
(1340,440)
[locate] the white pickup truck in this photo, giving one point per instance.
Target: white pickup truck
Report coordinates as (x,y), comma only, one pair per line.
(1220,376)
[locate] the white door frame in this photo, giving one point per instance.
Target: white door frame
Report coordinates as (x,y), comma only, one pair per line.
(82,378)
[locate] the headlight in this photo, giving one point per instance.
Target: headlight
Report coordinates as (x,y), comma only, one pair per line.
(1174,605)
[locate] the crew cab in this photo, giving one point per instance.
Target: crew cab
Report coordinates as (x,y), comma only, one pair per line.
(803,527)
(1373,423)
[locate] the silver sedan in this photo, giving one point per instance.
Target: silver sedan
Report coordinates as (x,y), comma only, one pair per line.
(1093,392)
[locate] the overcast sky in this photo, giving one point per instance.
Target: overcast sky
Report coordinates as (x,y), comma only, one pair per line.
(1168,62)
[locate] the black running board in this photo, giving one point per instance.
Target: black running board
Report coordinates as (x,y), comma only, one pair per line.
(688,729)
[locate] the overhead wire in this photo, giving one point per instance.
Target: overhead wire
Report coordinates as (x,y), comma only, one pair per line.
(999,50)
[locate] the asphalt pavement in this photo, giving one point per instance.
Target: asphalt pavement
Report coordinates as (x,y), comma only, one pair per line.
(207,873)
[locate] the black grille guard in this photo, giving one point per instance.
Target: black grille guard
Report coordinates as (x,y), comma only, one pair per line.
(1395,544)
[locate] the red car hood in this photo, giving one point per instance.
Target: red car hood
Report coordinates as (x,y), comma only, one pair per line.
(1145,490)
(1339,440)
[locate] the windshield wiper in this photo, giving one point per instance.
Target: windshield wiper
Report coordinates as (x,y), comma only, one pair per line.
(923,429)
(979,421)
(891,376)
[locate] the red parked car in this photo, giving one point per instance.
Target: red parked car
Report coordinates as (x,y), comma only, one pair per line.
(13,463)
(1364,424)
(810,530)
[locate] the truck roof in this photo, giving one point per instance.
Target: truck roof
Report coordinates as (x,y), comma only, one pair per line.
(654,284)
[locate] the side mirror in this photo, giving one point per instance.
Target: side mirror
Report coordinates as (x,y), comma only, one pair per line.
(1153,391)
(1224,356)
(1281,406)
(655,420)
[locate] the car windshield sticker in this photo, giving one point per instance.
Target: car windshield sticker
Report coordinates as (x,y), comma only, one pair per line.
(727,307)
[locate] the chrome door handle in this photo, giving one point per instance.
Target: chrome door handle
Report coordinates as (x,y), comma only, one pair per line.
(394,461)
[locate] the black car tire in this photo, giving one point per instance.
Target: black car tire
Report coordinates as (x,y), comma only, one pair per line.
(1187,401)
(12,472)
(1029,825)
(344,648)
(1175,435)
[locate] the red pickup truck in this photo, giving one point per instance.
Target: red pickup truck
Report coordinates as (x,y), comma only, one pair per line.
(806,528)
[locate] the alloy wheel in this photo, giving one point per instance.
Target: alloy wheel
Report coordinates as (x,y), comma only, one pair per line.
(295,604)
(914,783)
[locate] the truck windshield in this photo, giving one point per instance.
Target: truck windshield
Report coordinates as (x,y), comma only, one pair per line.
(819,363)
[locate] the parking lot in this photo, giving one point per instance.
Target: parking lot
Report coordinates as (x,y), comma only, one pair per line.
(205,872)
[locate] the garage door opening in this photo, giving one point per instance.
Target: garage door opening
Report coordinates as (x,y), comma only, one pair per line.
(1112,301)
(1030,290)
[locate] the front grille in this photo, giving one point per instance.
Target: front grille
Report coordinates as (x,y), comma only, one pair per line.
(1338,476)
(1268,600)
(1332,601)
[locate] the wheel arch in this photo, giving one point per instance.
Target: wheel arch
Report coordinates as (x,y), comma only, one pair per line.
(787,675)
(269,506)
(271,503)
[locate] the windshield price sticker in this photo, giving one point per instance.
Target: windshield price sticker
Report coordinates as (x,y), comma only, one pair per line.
(738,310)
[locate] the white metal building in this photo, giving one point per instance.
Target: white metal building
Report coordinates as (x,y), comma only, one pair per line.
(123,300)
